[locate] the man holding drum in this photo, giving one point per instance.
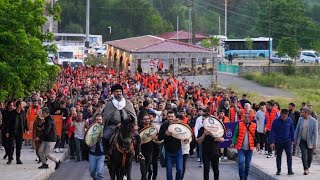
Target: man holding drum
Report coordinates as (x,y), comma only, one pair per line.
(96,155)
(210,151)
(244,138)
(146,147)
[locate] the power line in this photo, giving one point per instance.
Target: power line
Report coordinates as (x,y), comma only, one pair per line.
(305,45)
(266,14)
(204,3)
(119,8)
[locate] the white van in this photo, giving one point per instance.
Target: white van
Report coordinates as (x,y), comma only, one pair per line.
(309,57)
(72,62)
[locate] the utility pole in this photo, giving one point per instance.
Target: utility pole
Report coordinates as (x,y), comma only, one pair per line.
(269,63)
(225,17)
(219,25)
(177,28)
(191,36)
(190,22)
(295,30)
(193,22)
(87,23)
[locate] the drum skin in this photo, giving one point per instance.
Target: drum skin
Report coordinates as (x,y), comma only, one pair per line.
(93,134)
(148,133)
(214,126)
(180,131)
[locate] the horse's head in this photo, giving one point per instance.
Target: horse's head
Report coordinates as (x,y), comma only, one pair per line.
(125,135)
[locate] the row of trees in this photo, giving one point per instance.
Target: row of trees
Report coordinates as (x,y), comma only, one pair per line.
(23,67)
(295,20)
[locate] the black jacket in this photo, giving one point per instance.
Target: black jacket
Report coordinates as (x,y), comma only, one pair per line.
(49,131)
(7,121)
(171,144)
(15,123)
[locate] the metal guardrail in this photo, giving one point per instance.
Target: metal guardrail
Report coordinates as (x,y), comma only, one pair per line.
(228,69)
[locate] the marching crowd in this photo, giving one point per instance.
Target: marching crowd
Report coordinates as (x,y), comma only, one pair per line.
(80,97)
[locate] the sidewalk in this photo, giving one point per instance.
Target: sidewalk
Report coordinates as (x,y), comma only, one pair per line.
(29,169)
(265,168)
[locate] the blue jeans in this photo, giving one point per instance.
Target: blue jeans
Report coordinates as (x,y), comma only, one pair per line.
(244,158)
(170,158)
(279,149)
(96,166)
(200,152)
(306,154)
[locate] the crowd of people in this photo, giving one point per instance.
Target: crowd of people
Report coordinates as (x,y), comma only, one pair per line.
(81,94)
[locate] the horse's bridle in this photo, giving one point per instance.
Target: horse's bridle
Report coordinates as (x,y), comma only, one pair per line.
(123,150)
(124,153)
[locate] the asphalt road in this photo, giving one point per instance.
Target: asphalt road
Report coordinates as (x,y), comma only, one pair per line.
(79,171)
(226,80)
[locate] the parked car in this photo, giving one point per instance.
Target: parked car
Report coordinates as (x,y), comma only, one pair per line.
(275,58)
(309,57)
(102,51)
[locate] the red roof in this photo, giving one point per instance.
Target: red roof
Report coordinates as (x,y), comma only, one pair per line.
(150,44)
(183,35)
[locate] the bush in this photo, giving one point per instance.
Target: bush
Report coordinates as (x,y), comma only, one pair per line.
(289,70)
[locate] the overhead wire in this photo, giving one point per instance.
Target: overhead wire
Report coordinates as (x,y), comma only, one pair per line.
(247,16)
(305,45)
(203,3)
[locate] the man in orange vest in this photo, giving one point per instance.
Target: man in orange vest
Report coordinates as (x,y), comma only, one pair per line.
(244,139)
(271,114)
(34,109)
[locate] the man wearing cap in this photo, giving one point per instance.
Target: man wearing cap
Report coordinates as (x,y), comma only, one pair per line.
(282,138)
(117,110)
(143,110)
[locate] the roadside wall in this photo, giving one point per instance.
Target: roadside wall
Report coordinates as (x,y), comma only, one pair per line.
(205,80)
(243,69)
(263,69)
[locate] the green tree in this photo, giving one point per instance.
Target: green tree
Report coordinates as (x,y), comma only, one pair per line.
(211,42)
(315,45)
(23,59)
(249,44)
(288,46)
(73,28)
(287,20)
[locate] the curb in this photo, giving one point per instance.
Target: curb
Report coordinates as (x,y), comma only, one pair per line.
(45,174)
(255,169)
(259,173)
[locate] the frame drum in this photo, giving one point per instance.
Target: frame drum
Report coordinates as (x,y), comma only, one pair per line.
(180,131)
(214,126)
(93,134)
(147,134)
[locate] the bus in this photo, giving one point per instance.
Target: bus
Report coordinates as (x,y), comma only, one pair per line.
(237,48)
(95,41)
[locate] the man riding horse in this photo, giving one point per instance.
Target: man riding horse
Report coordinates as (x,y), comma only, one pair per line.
(119,118)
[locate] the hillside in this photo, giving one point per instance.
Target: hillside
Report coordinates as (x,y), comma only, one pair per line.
(245,18)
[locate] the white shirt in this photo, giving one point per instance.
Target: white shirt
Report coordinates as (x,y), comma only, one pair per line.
(197,126)
(260,118)
(79,129)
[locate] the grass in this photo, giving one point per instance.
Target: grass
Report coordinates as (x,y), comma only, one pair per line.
(303,83)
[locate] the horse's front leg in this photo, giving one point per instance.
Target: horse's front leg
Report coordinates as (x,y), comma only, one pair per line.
(129,164)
